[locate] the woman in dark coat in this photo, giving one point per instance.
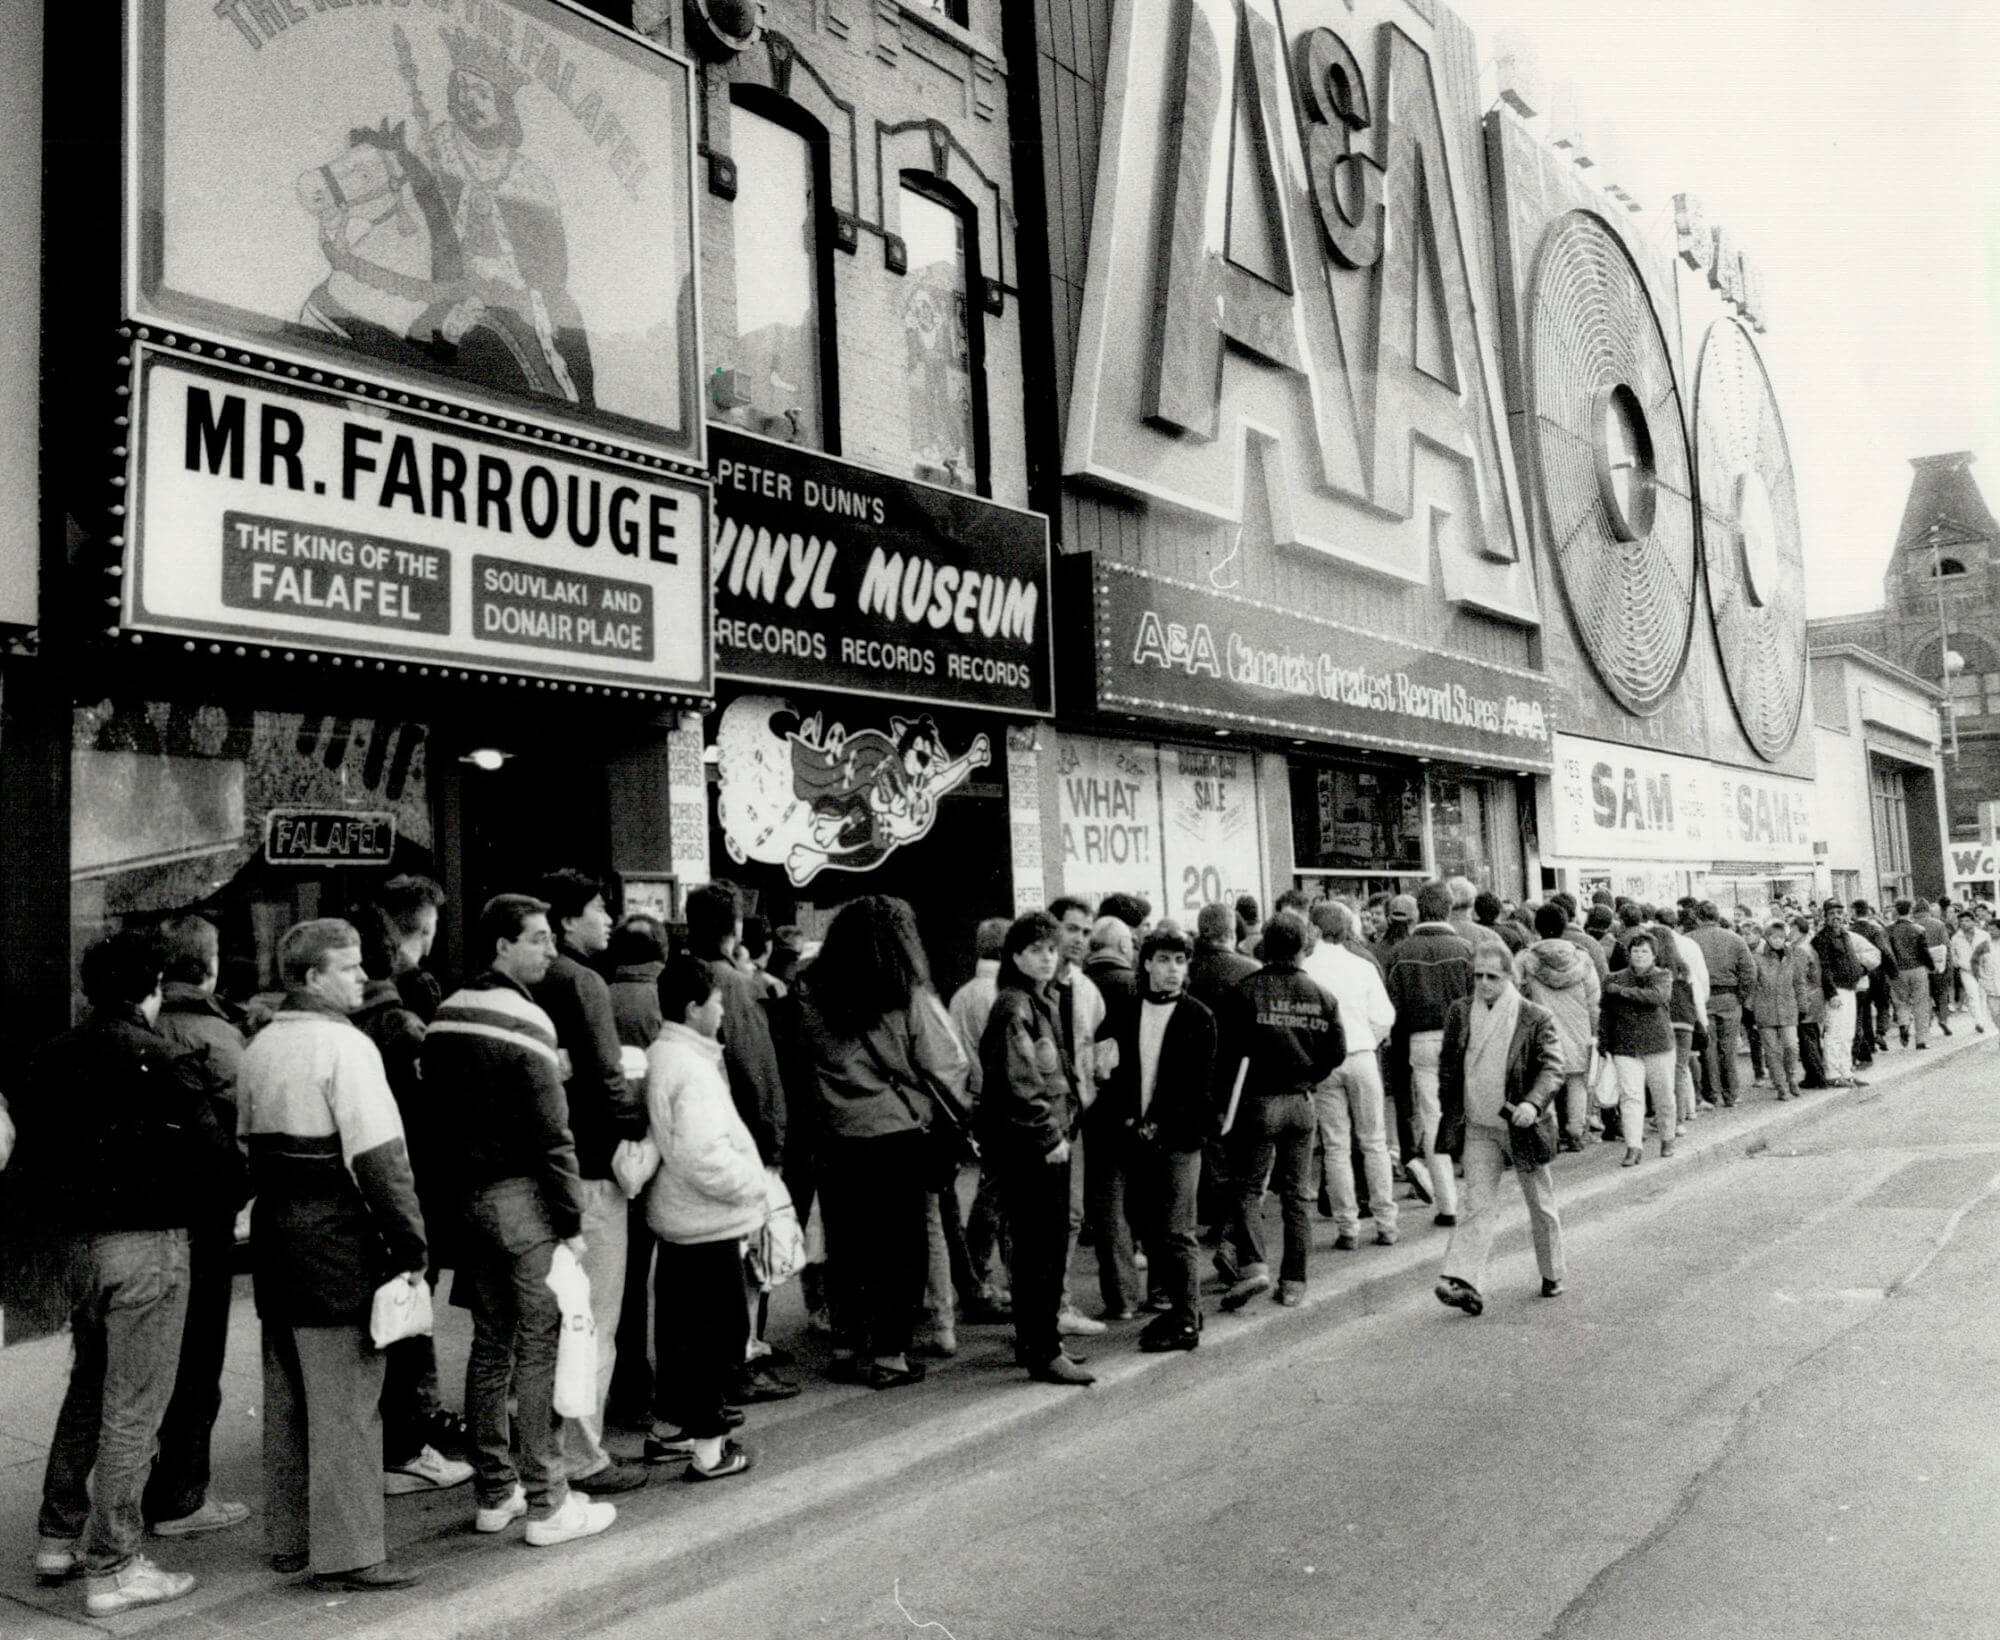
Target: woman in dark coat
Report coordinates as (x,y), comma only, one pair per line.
(1635,1028)
(882,1050)
(1028,1110)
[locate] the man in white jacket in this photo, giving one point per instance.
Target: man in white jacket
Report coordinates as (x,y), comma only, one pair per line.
(1349,1102)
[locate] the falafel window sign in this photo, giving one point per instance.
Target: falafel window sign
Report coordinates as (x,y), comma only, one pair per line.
(488,200)
(295,518)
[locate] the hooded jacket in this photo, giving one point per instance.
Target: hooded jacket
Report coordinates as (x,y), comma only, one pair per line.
(1785,986)
(635,1004)
(1561,980)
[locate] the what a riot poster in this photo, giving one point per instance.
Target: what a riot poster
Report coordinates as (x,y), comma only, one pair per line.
(485,198)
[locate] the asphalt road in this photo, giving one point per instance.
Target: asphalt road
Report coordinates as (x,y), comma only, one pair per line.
(1767,1405)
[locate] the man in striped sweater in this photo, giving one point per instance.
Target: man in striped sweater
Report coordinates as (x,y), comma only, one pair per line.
(490,1061)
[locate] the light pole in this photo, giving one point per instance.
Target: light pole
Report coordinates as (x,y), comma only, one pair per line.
(1950,662)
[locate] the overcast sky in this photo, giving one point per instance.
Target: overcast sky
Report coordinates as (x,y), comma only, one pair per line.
(1855,154)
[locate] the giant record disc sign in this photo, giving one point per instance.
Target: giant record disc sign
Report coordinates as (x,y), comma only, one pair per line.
(1752,547)
(1611,459)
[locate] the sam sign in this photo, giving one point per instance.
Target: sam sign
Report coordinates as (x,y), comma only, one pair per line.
(317,520)
(330,837)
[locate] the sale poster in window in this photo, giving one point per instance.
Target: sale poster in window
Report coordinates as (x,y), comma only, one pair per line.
(1213,848)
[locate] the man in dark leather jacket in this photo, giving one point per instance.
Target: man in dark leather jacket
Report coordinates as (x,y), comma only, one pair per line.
(126,1153)
(1155,1112)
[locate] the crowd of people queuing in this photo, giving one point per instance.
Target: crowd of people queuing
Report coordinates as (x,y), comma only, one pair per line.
(646,1107)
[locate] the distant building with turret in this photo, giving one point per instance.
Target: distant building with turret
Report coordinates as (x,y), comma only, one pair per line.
(1940,595)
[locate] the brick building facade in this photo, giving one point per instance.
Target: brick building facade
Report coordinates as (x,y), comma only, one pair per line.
(1941,594)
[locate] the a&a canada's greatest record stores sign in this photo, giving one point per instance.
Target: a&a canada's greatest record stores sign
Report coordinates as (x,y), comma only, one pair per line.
(268,513)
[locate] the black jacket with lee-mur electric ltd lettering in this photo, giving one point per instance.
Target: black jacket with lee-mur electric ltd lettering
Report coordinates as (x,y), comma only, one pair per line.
(1287,1025)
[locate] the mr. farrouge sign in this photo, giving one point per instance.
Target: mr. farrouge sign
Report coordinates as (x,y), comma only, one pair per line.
(267,512)
(1211,657)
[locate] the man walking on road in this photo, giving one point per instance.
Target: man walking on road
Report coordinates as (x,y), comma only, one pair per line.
(490,1058)
(1499,1073)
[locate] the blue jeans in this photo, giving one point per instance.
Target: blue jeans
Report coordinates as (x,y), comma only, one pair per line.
(516,1326)
(126,1324)
(1161,1186)
(1273,1138)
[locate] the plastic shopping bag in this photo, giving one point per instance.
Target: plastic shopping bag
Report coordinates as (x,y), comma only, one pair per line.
(1603,1080)
(778,1249)
(576,1350)
(633,1165)
(402,1309)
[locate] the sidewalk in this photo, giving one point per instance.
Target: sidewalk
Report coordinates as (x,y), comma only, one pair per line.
(832,1449)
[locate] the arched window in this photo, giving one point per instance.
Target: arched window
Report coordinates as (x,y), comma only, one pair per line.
(784,352)
(944,341)
(1950,566)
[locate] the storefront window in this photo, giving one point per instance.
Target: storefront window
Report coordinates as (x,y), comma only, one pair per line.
(1351,821)
(171,812)
(1476,831)
(938,343)
(1890,805)
(778,351)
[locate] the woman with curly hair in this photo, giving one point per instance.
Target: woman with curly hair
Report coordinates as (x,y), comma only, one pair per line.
(883,1052)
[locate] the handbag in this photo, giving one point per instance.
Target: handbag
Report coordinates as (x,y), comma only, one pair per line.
(952,1144)
(1530,1147)
(401,1309)
(777,1252)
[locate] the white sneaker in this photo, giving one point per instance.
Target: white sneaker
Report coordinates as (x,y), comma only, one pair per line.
(429,1470)
(577,1518)
(1418,1172)
(502,1515)
(57,1559)
(214,1515)
(1073,1323)
(137,1583)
